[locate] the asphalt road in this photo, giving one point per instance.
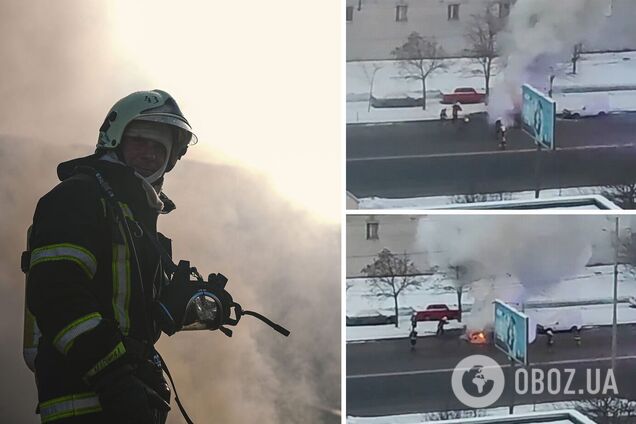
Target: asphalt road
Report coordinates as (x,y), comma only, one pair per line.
(432,158)
(386,377)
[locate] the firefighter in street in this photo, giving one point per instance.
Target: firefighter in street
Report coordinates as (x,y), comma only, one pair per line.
(443,116)
(94,272)
(413,338)
(440,326)
(550,336)
(500,133)
(577,336)
(456,109)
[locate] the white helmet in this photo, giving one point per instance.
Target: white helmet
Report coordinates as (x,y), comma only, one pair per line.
(154,106)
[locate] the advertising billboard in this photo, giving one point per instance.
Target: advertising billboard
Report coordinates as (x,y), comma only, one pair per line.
(538,114)
(511,332)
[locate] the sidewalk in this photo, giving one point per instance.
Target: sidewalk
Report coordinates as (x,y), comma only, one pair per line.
(609,71)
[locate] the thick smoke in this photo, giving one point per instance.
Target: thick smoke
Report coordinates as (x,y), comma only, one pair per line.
(57,77)
(540,36)
(509,257)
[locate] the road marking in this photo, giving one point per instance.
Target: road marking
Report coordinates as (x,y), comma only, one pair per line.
(444,370)
(486,153)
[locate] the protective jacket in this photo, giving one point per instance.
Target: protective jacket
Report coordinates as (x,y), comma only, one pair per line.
(92,282)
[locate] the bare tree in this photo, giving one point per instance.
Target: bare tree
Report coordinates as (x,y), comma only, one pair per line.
(462,275)
(418,58)
(481,37)
(577,50)
(624,195)
(392,274)
(608,410)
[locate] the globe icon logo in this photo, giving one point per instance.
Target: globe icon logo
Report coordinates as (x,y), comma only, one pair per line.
(477,381)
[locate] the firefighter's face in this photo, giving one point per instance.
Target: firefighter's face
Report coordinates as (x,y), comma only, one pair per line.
(145,146)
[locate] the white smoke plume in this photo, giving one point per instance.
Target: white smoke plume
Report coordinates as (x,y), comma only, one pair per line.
(510,257)
(539,36)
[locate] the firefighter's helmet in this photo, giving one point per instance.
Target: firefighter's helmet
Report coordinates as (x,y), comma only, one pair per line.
(154,106)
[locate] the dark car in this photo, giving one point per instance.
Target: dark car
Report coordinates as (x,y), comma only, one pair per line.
(464,95)
(371,320)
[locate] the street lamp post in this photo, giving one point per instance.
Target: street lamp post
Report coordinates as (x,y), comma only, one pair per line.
(615,297)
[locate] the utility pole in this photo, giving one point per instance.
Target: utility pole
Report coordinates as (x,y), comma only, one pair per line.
(615,300)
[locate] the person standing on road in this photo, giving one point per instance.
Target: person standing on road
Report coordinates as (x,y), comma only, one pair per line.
(440,326)
(577,336)
(550,335)
(500,133)
(456,109)
(443,116)
(413,338)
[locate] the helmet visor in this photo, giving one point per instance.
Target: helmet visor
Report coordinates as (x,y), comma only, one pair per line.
(175,121)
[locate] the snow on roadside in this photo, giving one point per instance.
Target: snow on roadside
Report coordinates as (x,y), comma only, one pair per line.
(437,201)
(593,284)
(595,71)
(435,416)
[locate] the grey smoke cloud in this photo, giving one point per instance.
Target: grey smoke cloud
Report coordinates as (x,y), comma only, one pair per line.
(535,251)
(538,36)
(57,79)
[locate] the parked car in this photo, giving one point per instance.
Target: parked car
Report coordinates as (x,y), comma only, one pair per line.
(436,312)
(463,95)
(558,320)
(370,320)
(585,106)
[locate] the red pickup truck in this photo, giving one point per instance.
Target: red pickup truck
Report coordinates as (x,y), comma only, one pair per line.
(463,95)
(436,313)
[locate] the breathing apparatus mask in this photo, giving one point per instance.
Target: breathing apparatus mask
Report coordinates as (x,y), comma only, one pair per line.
(188,302)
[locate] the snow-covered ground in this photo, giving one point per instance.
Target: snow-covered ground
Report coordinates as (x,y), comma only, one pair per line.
(437,201)
(606,72)
(488,412)
(593,285)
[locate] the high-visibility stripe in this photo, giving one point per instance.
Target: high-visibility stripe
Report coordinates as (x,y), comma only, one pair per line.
(65,338)
(65,252)
(119,351)
(121,283)
(126,210)
(69,406)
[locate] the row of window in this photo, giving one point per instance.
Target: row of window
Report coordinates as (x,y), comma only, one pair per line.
(502,9)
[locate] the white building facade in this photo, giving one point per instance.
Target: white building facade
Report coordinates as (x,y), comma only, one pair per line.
(376,27)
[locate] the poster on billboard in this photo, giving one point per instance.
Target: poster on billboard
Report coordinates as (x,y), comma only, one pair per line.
(511,332)
(538,114)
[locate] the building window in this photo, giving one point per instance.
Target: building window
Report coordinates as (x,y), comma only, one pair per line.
(372,230)
(349,13)
(453,12)
(400,13)
(503,9)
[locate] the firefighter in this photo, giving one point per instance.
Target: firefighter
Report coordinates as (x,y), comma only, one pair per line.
(413,338)
(550,335)
(440,326)
(94,271)
(443,116)
(577,336)
(456,109)
(500,133)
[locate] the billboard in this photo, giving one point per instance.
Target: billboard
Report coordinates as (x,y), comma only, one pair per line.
(511,332)
(538,114)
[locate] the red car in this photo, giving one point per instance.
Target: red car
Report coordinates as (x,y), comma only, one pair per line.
(436,313)
(463,95)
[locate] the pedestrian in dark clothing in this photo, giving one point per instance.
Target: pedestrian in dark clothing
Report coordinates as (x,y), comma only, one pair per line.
(456,109)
